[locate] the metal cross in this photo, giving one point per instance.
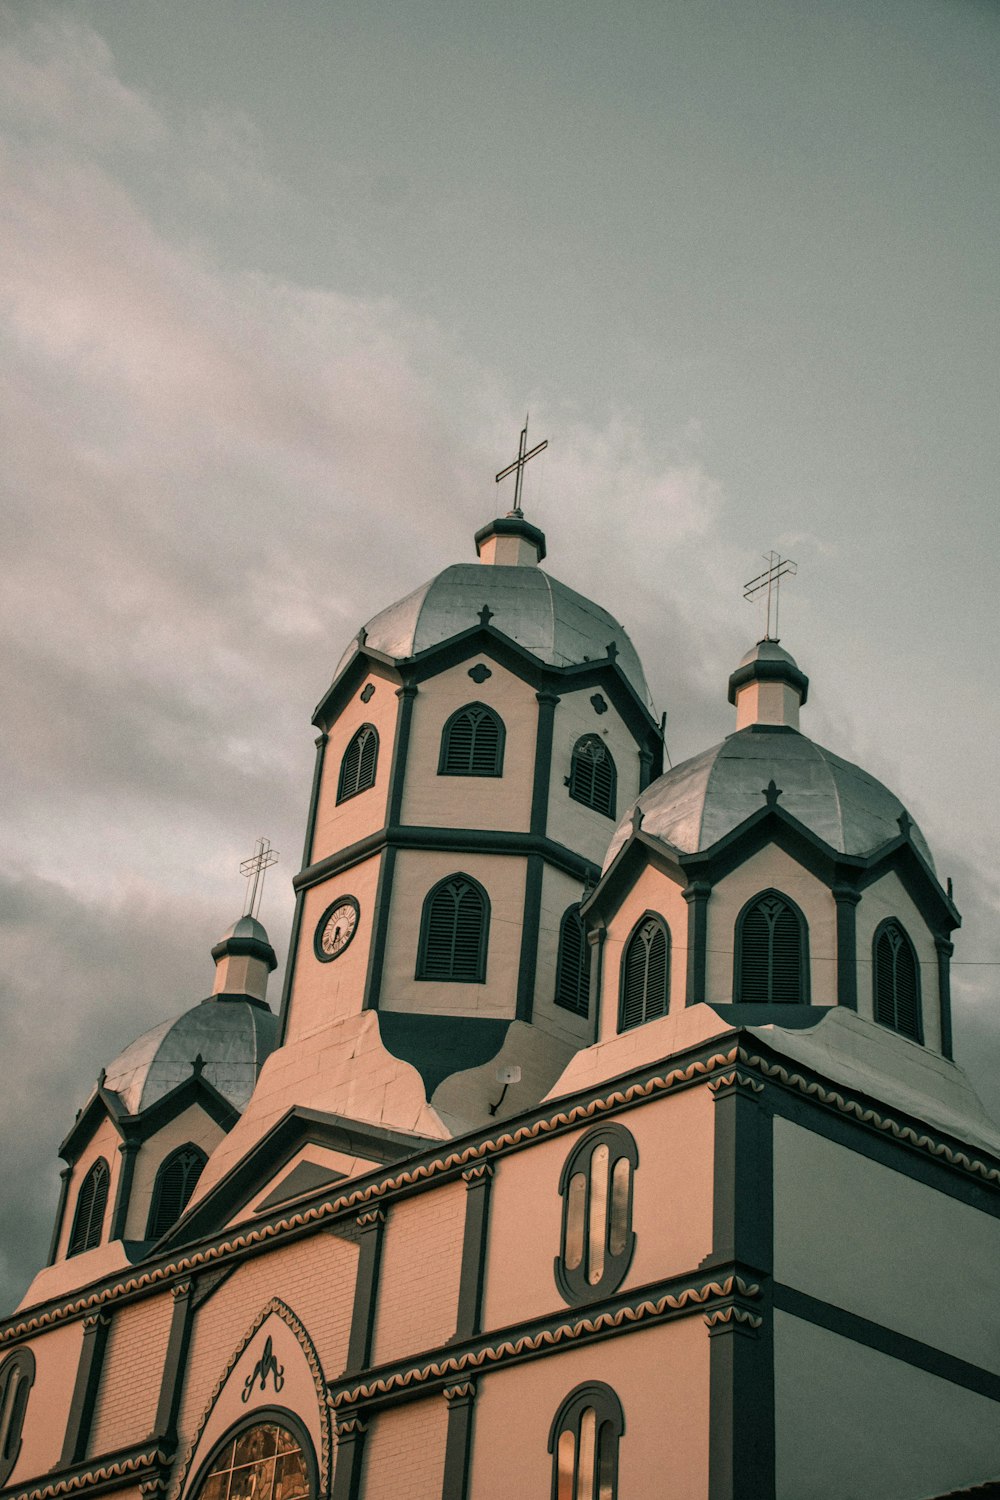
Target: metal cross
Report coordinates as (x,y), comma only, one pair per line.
(770,582)
(253,871)
(518,465)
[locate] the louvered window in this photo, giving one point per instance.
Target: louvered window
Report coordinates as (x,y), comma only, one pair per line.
(593,779)
(573,964)
(17,1375)
(454,930)
(897,981)
(771,953)
(583,1441)
(357,769)
(597,1235)
(472,743)
(91,1203)
(175,1182)
(645,974)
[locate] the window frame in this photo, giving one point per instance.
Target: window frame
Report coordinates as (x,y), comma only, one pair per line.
(661,921)
(152,1232)
(585,965)
(575,1286)
(571,780)
(19,1361)
(596,1396)
(342,794)
(804,967)
(446,732)
(278,1416)
(881,930)
(484,932)
(81,1240)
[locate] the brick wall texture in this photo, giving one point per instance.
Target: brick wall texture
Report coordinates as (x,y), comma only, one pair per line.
(404,1452)
(421,1266)
(130,1379)
(315,1278)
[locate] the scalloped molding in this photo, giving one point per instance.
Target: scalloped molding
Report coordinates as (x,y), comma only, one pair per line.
(507,1141)
(90,1478)
(279,1309)
(691,1298)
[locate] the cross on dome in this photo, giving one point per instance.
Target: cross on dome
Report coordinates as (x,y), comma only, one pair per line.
(253,871)
(769,584)
(518,465)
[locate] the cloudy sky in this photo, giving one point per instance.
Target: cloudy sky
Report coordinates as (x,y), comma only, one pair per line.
(278,283)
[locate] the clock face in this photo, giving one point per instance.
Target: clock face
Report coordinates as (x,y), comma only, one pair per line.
(337,926)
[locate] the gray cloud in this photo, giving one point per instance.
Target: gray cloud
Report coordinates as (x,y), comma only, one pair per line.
(213,475)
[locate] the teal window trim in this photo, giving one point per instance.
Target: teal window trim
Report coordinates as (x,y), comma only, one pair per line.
(359,763)
(472,742)
(643,992)
(757,907)
(175,1181)
(892,951)
(573,964)
(454,931)
(593,775)
(91,1208)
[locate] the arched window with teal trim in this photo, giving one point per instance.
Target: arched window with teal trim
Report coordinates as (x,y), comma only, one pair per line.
(583,1441)
(91,1206)
(359,763)
(644,986)
(593,776)
(573,964)
(454,931)
(472,742)
(896,980)
(771,965)
(175,1181)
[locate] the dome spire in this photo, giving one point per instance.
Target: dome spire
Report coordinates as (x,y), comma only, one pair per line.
(768,688)
(511,541)
(244,956)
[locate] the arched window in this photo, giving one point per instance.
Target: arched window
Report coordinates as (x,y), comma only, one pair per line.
(597,1235)
(593,779)
(772,953)
(92,1200)
(175,1182)
(472,743)
(268,1457)
(897,981)
(583,1441)
(454,931)
(573,964)
(357,769)
(17,1374)
(645,977)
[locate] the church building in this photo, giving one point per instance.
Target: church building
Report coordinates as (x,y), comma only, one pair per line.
(605,1142)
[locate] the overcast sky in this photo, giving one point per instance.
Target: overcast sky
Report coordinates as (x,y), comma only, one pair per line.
(278,284)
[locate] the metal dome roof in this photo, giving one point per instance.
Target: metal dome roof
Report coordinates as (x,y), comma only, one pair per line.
(554,623)
(247,927)
(700,801)
(234,1037)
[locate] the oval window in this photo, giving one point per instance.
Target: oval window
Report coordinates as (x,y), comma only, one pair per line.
(597,1235)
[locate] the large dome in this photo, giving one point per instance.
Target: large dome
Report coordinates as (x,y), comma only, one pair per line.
(554,623)
(233,1037)
(700,801)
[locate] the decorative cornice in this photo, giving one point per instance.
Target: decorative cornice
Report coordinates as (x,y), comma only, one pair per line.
(372,1219)
(95,1476)
(884,1123)
(468,1157)
(456,1394)
(493,1145)
(350,1427)
(727,1082)
(688,1299)
(726,1316)
(281,1310)
(477,1174)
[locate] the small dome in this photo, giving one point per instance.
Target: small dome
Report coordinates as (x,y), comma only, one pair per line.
(247,927)
(234,1038)
(700,801)
(560,627)
(769,662)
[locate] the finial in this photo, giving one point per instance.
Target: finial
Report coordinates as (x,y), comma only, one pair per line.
(905,823)
(612,649)
(637,816)
(772,792)
(518,466)
(253,871)
(485,615)
(198,1066)
(769,583)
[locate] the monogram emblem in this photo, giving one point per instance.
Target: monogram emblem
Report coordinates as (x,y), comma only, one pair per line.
(265,1366)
